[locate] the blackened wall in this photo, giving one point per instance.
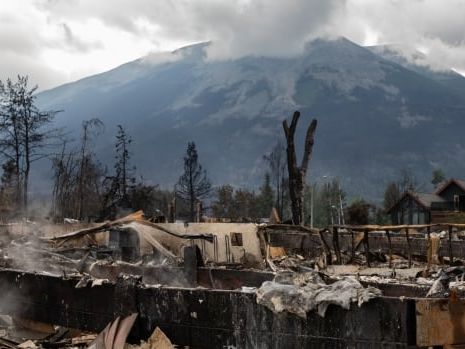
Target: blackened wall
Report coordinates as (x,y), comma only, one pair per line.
(202,318)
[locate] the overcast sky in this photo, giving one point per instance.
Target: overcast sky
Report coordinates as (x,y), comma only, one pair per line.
(57,41)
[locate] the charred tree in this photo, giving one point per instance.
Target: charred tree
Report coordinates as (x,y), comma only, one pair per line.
(87,166)
(8,193)
(193,185)
(25,132)
(276,160)
(297,174)
(122,169)
(123,180)
(64,167)
(77,188)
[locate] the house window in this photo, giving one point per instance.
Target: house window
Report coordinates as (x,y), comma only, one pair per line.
(236,239)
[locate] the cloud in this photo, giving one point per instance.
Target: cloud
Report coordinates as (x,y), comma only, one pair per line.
(77,44)
(237,27)
(433,27)
(21,44)
(57,41)
(260,27)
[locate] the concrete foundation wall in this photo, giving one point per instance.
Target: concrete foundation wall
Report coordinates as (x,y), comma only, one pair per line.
(201,318)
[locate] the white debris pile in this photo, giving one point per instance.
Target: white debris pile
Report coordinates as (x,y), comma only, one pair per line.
(445,280)
(299,293)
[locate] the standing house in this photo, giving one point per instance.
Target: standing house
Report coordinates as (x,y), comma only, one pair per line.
(423,208)
(413,208)
(453,193)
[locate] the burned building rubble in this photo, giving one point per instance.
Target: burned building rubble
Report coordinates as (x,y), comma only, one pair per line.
(228,285)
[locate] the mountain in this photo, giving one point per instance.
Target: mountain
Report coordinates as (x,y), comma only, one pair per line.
(377,116)
(418,62)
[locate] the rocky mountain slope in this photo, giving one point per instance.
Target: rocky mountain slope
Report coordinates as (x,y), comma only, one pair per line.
(377,114)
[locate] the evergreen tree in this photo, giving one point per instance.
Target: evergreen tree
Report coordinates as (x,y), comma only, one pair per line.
(123,180)
(223,206)
(193,185)
(89,169)
(265,198)
(438,177)
(391,195)
(122,169)
(358,212)
(245,206)
(150,199)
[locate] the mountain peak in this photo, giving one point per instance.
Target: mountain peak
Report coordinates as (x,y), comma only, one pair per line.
(233,110)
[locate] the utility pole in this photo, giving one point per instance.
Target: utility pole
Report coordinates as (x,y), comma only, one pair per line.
(330,205)
(340,210)
(340,204)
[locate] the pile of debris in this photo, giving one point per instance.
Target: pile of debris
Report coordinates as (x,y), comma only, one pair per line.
(299,293)
(27,334)
(296,270)
(115,334)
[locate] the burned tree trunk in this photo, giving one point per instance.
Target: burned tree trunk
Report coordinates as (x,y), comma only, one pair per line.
(297,174)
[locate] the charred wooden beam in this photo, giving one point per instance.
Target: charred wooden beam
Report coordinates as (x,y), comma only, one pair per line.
(352,245)
(397,228)
(391,243)
(294,240)
(430,250)
(409,248)
(366,246)
(135,217)
(389,247)
(451,255)
(289,228)
(337,249)
(327,248)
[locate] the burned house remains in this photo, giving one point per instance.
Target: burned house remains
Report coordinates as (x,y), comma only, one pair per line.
(236,285)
